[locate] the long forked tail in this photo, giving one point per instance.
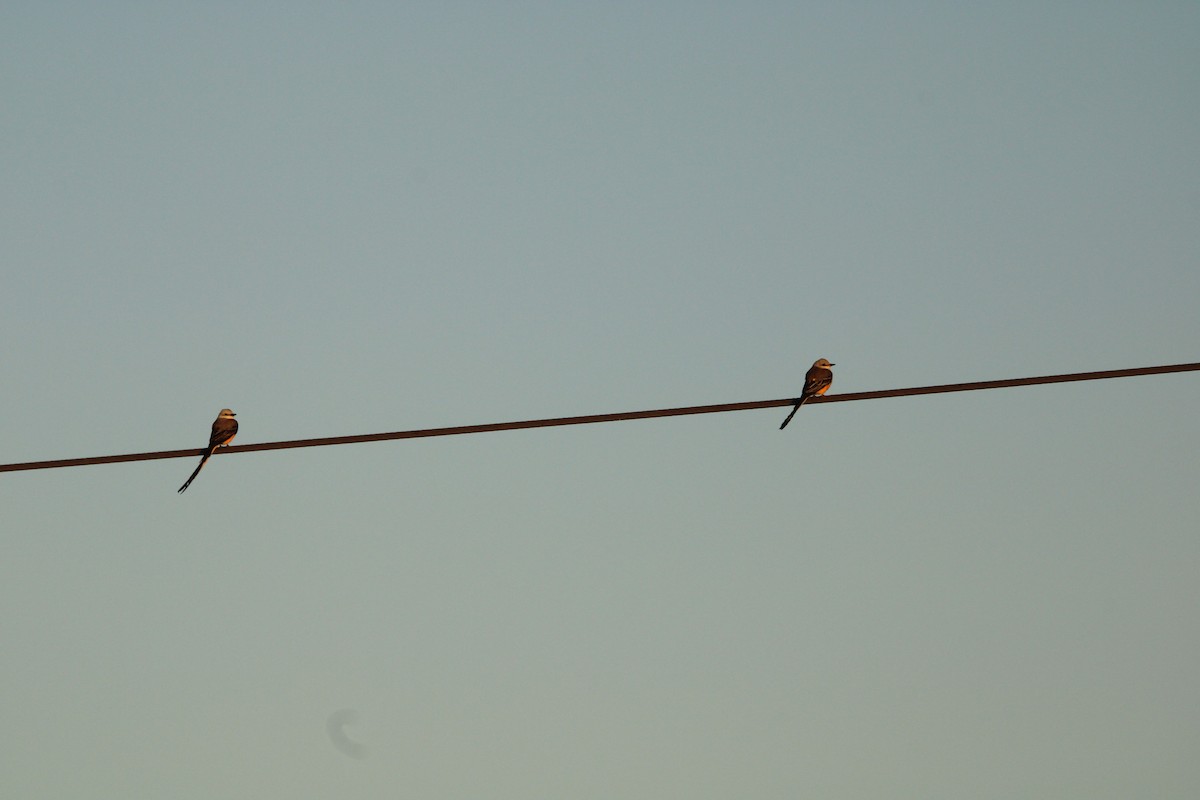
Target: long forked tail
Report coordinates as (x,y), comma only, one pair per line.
(199,467)
(794,410)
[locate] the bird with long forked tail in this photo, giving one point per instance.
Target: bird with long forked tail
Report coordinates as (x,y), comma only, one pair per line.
(224,428)
(816,383)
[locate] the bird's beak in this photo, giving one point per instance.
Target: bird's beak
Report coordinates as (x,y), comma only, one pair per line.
(832,364)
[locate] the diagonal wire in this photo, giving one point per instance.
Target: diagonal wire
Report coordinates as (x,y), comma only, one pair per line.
(589,419)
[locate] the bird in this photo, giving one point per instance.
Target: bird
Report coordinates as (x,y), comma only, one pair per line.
(224,428)
(816,383)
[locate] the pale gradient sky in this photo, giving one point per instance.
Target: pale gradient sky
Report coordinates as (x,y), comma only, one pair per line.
(358,217)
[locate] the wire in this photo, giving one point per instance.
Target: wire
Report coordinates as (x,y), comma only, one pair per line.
(613,417)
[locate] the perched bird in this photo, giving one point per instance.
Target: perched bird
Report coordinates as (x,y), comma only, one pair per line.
(816,383)
(224,428)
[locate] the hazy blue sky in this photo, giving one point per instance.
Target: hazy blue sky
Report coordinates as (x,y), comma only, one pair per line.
(358,217)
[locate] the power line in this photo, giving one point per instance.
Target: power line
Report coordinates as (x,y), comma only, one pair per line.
(613,417)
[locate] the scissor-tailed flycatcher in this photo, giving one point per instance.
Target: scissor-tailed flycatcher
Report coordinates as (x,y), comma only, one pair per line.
(816,383)
(223,430)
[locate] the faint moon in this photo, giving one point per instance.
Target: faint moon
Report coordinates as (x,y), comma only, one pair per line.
(335,725)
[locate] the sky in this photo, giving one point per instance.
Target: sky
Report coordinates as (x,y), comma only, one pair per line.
(358,217)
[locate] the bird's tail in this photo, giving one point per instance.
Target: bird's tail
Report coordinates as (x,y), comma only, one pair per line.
(199,467)
(794,410)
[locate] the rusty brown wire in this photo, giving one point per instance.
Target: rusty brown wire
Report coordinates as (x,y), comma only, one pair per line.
(589,419)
